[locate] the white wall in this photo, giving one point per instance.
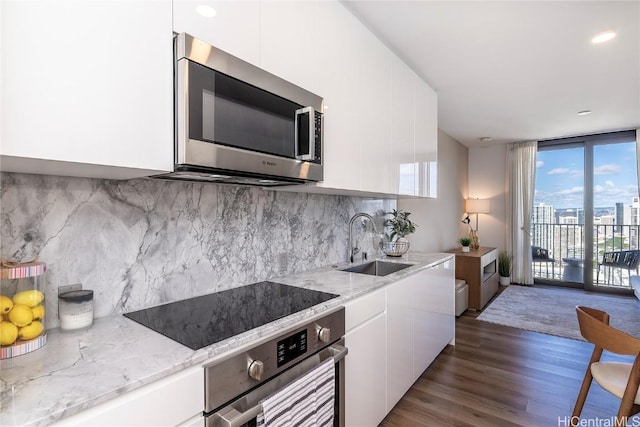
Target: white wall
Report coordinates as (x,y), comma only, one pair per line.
(487,180)
(438,219)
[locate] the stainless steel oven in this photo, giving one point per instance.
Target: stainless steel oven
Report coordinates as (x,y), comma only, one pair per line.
(236,386)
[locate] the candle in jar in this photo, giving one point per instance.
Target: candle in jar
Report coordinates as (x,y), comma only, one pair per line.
(75,309)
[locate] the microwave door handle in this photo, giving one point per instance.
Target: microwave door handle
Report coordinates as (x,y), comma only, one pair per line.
(311,154)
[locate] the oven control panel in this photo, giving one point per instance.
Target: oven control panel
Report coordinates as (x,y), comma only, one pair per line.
(291,347)
(246,369)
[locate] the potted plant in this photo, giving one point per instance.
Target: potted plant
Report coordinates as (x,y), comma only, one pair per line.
(396,243)
(504,267)
(465,242)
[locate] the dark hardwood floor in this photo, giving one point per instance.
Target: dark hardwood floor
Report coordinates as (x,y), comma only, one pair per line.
(500,376)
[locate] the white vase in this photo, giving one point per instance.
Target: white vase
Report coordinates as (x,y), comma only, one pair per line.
(397,248)
(505,281)
(465,249)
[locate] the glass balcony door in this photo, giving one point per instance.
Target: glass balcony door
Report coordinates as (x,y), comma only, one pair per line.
(616,253)
(558,219)
(586,216)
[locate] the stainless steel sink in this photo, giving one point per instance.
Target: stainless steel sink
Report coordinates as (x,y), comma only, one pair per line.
(377,268)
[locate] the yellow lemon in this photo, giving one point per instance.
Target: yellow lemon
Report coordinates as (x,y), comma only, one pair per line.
(31,331)
(5,304)
(31,298)
(38,312)
(8,333)
(21,315)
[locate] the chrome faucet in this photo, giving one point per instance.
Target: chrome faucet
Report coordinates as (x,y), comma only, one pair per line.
(354,250)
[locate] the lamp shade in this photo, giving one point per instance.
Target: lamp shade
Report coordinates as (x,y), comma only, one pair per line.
(478,206)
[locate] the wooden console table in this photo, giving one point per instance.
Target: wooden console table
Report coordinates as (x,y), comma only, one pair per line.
(479,269)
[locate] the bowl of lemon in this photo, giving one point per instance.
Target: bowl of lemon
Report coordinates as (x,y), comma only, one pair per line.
(22,308)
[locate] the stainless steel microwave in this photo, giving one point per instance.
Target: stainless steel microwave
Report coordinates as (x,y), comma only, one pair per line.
(237,123)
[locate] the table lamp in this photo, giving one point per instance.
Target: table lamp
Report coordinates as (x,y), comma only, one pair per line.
(476,206)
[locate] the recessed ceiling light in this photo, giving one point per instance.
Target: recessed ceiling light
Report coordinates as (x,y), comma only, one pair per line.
(206,11)
(605,36)
(584,112)
(485,139)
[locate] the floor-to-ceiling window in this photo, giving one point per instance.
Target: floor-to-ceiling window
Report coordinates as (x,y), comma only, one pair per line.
(585,220)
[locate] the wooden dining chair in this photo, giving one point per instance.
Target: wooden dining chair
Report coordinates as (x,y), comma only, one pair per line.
(619,379)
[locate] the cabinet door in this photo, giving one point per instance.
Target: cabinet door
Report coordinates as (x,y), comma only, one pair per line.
(403,166)
(426,139)
(234,26)
(373,115)
(173,400)
(337,84)
(197,421)
(87,86)
(434,321)
(365,385)
(287,41)
(399,340)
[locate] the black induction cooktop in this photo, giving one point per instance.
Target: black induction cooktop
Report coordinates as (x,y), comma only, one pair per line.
(205,320)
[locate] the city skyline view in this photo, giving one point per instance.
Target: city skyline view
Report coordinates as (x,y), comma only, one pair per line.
(560,176)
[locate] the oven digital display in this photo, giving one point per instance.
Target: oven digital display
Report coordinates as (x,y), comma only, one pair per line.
(292,347)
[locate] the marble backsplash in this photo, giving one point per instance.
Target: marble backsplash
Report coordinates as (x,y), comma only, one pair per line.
(144,242)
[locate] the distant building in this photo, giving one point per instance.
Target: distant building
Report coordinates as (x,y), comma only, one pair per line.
(569,220)
(619,217)
(607,220)
(542,230)
(543,214)
(633,220)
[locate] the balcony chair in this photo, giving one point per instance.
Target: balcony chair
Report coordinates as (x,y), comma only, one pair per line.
(619,379)
(539,254)
(628,260)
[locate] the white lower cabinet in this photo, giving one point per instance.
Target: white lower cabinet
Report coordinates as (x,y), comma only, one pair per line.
(393,335)
(434,314)
(174,400)
(399,339)
(197,421)
(365,364)
(365,374)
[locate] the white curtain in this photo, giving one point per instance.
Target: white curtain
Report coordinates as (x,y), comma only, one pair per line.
(521,179)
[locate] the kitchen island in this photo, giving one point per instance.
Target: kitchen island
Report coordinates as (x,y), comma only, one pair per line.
(77,371)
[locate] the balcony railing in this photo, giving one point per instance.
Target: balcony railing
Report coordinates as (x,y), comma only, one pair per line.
(564,244)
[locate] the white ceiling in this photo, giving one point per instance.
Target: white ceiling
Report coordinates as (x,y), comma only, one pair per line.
(517,70)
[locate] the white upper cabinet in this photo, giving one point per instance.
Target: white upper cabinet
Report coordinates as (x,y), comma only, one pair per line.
(338,76)
(426,140)
(403,167)
(87,88)
(372,117)
(354,77)
(288,39)
(233,26)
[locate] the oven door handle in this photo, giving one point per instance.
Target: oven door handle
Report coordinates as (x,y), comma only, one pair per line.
(338,353)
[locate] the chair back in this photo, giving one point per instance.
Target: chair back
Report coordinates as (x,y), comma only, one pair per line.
(631,259)
(540,254)
(610,258)
(595,328)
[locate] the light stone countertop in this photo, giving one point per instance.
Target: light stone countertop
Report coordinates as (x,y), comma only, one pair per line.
(76,371)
